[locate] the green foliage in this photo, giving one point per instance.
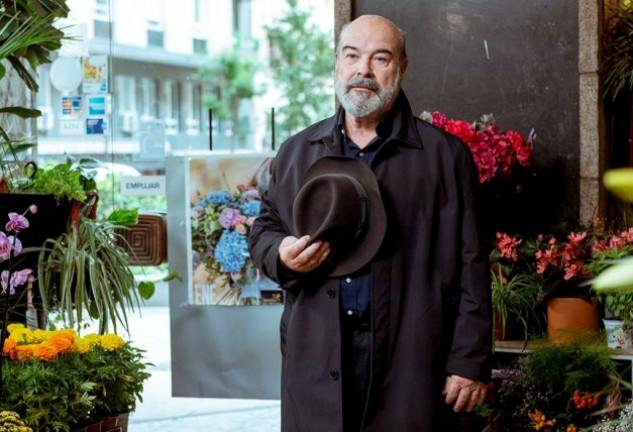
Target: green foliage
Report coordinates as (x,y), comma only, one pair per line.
(514,299)
(618,61)
(118,378)
(302,59)
(56,394)
(28,37)
(232,76)
(566,368)
(619,303)
(87,268)
(547,380)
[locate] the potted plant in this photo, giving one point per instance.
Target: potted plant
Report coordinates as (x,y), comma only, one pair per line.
(119,373)
(515,290)
(86,269)
(554,388)
(43,379)
(59,381)
(618,306)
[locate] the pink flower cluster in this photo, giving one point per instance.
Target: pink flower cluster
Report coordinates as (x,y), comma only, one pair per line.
(232,218)
(570,257)
(495,152)
(11,245)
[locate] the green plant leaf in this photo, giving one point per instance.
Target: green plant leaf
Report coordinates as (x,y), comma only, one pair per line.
(146,289)
(21,112)
(124,217)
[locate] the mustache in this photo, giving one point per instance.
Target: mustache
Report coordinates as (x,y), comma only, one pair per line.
(367,83)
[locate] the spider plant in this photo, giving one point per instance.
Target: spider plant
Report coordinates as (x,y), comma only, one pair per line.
(514,298)
(86,269)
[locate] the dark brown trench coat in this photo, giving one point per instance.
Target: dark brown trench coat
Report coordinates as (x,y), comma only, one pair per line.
(431,309)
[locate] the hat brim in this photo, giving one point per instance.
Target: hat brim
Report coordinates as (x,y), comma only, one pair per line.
(369,245)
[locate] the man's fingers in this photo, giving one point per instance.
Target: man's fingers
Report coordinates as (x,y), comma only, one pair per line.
(296,255)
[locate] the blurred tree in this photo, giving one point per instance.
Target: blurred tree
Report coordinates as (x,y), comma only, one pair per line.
(232,78)
(302,59)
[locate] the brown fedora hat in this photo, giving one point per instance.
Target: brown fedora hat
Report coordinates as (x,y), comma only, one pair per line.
(339,202)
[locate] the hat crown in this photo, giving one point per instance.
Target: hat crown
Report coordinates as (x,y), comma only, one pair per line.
(339,202)
(337,209)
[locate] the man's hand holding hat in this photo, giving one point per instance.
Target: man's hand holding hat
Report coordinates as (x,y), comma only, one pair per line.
(299,255)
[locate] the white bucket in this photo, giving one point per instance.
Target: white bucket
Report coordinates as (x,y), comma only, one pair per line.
(618,335)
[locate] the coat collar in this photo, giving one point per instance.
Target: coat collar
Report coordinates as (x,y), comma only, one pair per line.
(397,126)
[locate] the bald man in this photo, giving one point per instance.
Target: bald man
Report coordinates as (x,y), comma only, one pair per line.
(404,341)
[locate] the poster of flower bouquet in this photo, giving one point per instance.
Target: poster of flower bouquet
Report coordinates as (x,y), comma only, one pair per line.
(221,218)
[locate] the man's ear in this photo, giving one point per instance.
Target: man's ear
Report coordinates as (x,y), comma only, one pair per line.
(404,64)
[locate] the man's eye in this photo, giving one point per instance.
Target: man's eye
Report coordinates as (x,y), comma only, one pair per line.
(350,55)
(381,60)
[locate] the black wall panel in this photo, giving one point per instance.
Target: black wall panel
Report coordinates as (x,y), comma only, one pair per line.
(516,59)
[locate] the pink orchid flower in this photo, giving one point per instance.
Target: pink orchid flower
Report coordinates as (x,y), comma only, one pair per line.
(16,222)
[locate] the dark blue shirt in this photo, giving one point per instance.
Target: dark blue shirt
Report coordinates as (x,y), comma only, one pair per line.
(356,288)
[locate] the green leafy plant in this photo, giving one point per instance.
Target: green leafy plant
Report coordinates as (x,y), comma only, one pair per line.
(302,57)
(617,67)
(558,385)
(54,395)
(515,298)
(28,37)
(119,376)
(57,380)
(86,269)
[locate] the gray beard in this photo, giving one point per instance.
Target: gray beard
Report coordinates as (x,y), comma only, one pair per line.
(361,105)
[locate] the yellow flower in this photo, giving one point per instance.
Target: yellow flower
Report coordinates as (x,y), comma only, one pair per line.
(22,335)
(41,335)
(14,326)
(111,342)
(45,352)
(92,339)
(82,346)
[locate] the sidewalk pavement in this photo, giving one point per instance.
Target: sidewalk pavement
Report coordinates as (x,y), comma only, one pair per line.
(160,412)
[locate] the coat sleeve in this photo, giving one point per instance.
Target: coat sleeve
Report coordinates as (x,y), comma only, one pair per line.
(266,235)
(471,352)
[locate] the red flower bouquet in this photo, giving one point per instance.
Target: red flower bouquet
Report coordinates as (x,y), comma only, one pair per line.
(495,152)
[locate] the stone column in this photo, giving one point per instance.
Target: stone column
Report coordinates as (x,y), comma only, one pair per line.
(591,118)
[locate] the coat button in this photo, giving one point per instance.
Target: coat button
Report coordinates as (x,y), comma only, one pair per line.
(331,293)
(334,374)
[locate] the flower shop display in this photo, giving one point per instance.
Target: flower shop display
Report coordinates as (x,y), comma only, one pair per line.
(58,380)
(555,269)
(220,224)
(556,388)
(508,195)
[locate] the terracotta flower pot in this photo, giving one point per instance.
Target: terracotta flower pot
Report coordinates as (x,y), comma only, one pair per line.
(109,423)
(570,319)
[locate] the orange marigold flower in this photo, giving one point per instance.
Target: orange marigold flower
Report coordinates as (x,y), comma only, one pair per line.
(61,342)
(22,352)
(111,342)
(9,344)
(571,428)
(45,352)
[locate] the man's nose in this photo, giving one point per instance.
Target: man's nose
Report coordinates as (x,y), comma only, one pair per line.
(364,67)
